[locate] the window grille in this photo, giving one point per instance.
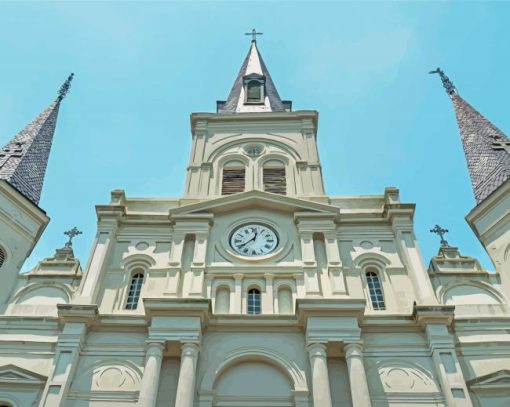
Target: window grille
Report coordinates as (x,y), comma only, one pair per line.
(274,180)
(375,290)
(254,306)
(3,256)
(233,181)
(134,291)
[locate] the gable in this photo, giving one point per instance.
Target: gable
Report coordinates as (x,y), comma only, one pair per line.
(258,199)
(499,380)
(15,375)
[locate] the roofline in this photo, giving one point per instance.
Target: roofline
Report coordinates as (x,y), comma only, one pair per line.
(219,117)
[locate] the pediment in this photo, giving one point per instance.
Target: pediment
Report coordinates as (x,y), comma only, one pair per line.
(256,199)
(12,374)
(496,380)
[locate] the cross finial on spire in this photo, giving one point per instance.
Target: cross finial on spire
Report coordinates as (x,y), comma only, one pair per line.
(441,232)
(64,89)
(447,83)
(72,233)
(253,34)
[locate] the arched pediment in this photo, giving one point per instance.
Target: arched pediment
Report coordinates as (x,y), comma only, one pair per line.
(44,293)
(109,375)
(469,293)
(399,376)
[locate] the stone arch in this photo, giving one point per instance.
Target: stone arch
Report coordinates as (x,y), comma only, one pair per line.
(482,287)
(289,368)
(135,260)
(26,293)
(219,151)
(9,401)
(377,260)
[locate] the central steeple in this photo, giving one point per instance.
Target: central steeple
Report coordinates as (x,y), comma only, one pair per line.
(253,89)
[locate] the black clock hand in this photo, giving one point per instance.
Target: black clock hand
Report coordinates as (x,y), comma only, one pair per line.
(251,240)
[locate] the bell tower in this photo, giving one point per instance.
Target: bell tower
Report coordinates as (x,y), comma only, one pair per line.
(254,141)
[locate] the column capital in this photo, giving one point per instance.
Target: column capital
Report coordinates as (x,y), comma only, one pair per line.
(269,276)
(238,276)
(353,349)
(190,349)
(155,347)
(317,350)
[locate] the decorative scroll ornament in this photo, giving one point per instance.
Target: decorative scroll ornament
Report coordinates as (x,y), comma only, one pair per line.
(447,83)
(64,89)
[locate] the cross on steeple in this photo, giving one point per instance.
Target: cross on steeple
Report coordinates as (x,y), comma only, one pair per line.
(72,233)
(447,83)
(253,34)
(441,232)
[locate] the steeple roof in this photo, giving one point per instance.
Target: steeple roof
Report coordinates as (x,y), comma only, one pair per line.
(253,67)
(24,158)
(486,147)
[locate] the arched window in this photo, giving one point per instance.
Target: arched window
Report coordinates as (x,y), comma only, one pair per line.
(375,290)
(254,306)
(254,92)
(134,291)
(222,305)
(233,178)
(3,256)
(274,177)
(285,300)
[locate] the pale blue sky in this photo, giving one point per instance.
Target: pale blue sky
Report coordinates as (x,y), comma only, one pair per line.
(142,68)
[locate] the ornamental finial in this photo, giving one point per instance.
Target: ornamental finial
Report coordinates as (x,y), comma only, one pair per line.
(441,232)
(447,83)
(64,89)
(72,233)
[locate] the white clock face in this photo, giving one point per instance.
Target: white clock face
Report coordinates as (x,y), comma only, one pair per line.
(254,240)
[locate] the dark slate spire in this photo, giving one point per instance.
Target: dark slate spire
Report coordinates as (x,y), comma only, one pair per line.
(253,67)
(24,159)
(486,147)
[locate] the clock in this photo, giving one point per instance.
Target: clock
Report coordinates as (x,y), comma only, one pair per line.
(254,240)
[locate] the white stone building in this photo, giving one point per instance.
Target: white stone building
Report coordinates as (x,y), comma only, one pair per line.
(255,288)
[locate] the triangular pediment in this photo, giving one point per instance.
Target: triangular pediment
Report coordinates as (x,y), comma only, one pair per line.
(256,199)
(496,380)
(12,374)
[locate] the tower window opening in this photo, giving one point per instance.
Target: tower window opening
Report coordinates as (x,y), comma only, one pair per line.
(3,256)
(254,92)
(254,304)
(233,179)
(134,291)
(375,291)
(274,177)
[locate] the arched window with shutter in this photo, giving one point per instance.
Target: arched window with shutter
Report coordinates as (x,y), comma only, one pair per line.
(233,178)
(375,290)
(254,302)
(135,289)
(274,177)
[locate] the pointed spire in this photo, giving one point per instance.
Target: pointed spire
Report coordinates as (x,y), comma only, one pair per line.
(486,147)
(23,160)
(253,70)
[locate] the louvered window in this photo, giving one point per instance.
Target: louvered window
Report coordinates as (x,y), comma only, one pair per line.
(233,178)
(3,256)
(274,180)
(134,291)
(254,91)
(375,290)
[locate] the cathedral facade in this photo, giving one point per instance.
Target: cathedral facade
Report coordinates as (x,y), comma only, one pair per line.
(254,288)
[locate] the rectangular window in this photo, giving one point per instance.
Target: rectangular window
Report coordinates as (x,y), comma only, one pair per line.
(233,181)
(274,180)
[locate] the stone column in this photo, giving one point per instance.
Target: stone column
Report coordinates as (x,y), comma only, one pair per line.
(268,299)
(236,305)
(187,375)
(150,381)
(357,376)
(320,376)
